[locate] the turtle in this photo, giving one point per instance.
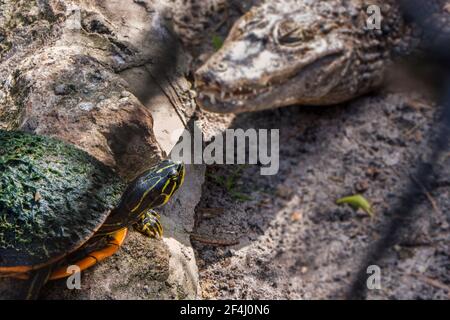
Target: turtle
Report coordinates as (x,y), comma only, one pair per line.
(61,207)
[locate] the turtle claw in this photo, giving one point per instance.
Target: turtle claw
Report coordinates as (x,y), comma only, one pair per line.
(149,225)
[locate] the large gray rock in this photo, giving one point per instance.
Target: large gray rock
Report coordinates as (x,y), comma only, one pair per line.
(106,76)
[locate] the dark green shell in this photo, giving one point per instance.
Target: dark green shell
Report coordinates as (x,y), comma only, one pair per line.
(53,197)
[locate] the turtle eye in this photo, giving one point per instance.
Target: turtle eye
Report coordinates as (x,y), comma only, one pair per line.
(290,33)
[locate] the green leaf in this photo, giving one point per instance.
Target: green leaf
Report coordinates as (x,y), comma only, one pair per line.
(217,42)
(241,196)
(357,202)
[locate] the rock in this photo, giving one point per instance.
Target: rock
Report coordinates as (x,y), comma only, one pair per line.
(362,185)
(284,192)
(78,82)
(86,106)
(61,90)
(391,159)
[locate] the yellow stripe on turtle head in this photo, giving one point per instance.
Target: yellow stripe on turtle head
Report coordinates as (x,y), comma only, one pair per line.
(168,196)
(166,167)
(145,195)
(166,185)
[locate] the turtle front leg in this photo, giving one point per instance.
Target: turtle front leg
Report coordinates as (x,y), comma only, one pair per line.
(149,224)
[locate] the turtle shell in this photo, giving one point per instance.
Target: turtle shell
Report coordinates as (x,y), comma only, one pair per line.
(53,197)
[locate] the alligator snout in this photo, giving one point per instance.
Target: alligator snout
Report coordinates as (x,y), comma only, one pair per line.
(209,75)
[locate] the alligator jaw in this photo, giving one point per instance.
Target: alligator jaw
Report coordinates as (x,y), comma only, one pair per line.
(300,52)
(289,89)
(220,101)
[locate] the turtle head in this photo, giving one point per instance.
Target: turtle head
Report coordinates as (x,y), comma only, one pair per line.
(162,181)
(153,188)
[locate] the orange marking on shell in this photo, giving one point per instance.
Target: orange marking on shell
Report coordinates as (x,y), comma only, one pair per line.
(18,269)
(94,257)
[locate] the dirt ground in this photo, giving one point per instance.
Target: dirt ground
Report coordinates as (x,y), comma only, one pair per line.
(283,236)
(294,242)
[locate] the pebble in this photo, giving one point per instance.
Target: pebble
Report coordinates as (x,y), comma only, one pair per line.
(284,192)
(118,59)
(192,94)
(86,106)
(391,159)
(362,186)
(125,94)
(296,216)
(61,90)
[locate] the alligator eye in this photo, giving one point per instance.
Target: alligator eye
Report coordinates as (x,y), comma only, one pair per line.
(256,23)
(290,33)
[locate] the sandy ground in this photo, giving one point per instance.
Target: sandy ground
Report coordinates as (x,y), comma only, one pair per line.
(294,242)
(283,236)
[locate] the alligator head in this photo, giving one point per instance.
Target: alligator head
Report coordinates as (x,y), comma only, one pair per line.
(293,52)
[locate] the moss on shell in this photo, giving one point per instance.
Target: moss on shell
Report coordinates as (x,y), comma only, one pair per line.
(52,197)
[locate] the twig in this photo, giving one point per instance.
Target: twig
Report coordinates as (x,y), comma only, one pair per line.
(213,242)
(432,282)
(223,21)
(210,212)
(410,132)
(429,196)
